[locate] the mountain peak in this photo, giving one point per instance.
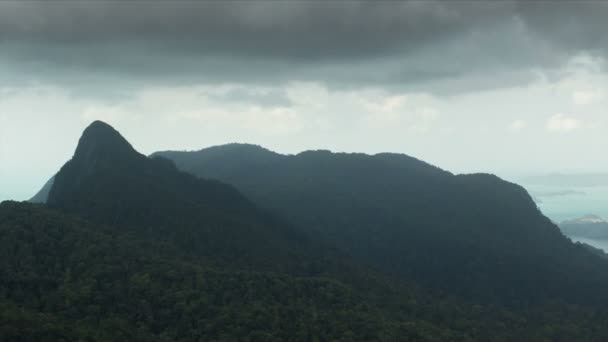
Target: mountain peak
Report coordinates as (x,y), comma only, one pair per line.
(101,150)
(101,139)
(98,124)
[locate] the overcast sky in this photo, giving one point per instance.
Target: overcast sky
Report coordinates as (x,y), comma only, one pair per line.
(506,87)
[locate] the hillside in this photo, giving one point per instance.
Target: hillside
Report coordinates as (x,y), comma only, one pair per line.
(43,195)
(107,181)
(63,278)
(475,236)
(130,248)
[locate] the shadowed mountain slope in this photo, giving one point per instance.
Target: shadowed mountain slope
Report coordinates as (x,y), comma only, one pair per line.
(43,195)
(109,182)
(130,248)
(64,278)
(473,235)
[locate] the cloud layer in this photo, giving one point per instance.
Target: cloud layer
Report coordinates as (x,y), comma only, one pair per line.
(441,46)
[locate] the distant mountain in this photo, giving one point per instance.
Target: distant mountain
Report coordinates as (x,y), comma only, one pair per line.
(128,248)
(588,226)
(43,195)
(67,279)
(472,235)
(107,181)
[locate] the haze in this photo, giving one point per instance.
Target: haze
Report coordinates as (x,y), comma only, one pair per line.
(509,87)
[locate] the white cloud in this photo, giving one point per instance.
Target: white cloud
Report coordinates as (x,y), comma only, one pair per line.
(393,103)
(562,123)
(518,125)
(310,94)
(585,97)
(583,80)
(424,118)
(197,106)
(109,114)
(409,112)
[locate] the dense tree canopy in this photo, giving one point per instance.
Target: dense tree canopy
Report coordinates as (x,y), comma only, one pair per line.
(63,278)
(472,235)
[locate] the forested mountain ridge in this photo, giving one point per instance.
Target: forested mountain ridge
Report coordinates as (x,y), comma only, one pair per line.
(472,235)
(130,248)
(63,278)
(107,181)
(43,195)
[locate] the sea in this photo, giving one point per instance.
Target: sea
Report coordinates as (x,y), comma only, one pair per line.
(560,203)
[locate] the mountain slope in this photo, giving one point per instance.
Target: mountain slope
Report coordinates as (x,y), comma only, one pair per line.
(64,278)
(473,235)
(129,248)
(109,182)
(42,195)
(197,250)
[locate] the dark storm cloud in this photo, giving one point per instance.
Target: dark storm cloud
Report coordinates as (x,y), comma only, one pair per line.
(401,44)
(569,25)
(269,29)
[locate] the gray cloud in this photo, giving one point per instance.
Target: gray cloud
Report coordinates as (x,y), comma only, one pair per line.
(438,46)
(269,29)
(269,98)
(569,25)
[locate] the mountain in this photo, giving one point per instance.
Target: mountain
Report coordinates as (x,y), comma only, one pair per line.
(66,279)
(63,278)
(43,195)
(107,181)
(475,236)
(129,248)
(144,251)
(588,226)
